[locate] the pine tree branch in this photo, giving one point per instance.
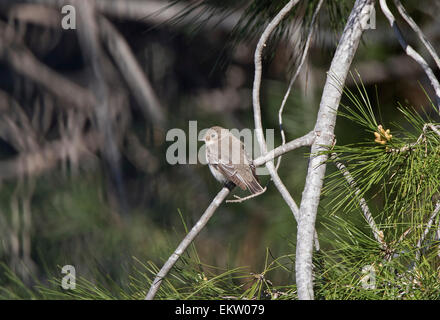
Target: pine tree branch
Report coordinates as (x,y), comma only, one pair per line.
(219,198)
(257,107)
(418,31)
(48,155)
(295,75)
(303,141)
(421,138)
(324,128)
(155,12)
(378,235)
(428,227)
(17,56)
(88,36)
(434,128)
(131,71)
(438,238)
(411,52)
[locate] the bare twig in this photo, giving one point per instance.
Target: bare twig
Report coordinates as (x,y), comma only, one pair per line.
(35,13)
(324,128)
(428,227)
(257,111)
(257,108)
(418,31)
(88,34)
(421,138)
(411,52)
(131,71)
(19,58)
(378,235)
(139,155)
(159,12)
(32,163)
(154,12)
(303,141)
(295,75)
(242,199)
(434,128)
(438,238)
(219,198)
(23,136)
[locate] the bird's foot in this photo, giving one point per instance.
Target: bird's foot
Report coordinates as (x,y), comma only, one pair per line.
(239,199)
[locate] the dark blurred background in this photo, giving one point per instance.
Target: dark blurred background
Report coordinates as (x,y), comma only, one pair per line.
(84,178)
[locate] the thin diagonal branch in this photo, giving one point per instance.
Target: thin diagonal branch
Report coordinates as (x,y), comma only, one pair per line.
(21,59)
(411,52)
(242,199)
(434,128)
(378,235)
(88,35)
(257,107)
(155,12)
(438,238)
(131,71)
(428,227)
(295,75)
(303,141)
(285,194)
(421,138)
(418,31)
(36,162)
(219,198)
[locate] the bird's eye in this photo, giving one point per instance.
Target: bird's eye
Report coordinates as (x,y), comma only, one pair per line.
(212,135)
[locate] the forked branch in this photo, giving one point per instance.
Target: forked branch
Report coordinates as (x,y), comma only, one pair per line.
(221,196)
(411,52)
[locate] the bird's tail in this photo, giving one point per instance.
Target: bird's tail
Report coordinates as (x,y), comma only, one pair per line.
(254,186)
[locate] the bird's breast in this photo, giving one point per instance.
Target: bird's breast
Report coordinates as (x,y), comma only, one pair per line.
(217,174)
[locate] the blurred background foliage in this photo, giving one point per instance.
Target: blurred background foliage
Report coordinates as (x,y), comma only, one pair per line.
(70,214)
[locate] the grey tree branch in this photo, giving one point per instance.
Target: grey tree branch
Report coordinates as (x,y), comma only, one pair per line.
(257,107)
(411,52)
(153,11)
(131,71)
(324,128)
(219,198)
(378,235)
(23,136)
(88,35)
(46,157)
(418,31)
(421,138)
(19,58)
(295,75)
(303,141)
(434,128)
(428,227)
(438,238)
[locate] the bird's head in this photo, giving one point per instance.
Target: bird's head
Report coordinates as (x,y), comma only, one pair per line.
(214,134)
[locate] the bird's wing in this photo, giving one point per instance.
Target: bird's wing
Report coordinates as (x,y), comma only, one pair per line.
(228,164)
(231,173)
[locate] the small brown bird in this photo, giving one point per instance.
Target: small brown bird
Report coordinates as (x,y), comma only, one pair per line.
(228,160)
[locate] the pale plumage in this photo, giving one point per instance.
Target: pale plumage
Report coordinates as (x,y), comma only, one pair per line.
(228,160)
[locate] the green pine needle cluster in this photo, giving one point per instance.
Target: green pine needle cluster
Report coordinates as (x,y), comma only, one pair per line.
(399,178)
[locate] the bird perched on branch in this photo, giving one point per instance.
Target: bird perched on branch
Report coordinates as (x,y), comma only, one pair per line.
(228,160)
